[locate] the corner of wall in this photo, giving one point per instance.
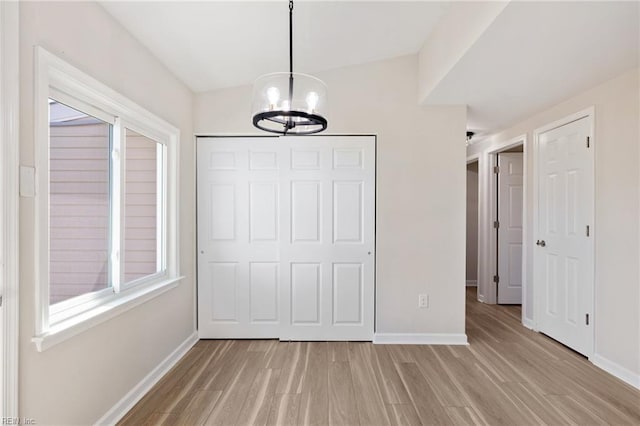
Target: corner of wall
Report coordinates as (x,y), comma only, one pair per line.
(454,34)
(122,407)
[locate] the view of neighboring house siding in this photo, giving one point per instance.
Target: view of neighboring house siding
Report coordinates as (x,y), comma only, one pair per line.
(79,208)
(140,223)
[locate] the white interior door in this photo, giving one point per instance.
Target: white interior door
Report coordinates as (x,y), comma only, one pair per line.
(510,198)
(328,193)
(286,237)
(238,237)
(564,254)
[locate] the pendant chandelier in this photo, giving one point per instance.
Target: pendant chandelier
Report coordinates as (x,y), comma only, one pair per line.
(289,102)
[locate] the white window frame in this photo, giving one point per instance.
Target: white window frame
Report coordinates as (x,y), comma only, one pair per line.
(9,207)
(55,78)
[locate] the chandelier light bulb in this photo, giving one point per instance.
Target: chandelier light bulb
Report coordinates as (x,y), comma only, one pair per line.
(273,94)
(286,105)
(312,101)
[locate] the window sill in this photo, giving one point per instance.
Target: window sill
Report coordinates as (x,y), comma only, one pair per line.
(66,329)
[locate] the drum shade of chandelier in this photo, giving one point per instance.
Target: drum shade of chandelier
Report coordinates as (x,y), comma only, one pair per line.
(289,103)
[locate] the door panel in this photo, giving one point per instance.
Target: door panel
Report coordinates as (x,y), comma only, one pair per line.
(563,271)
(263,211)
(305,211)
(347,212)
(286,238)
(306,283)
(510,204)
(347,293)
(263,279)
(338,176)
(238,238)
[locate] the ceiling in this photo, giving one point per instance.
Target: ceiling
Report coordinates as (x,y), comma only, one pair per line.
(217,44)
(536,54)
(533,55)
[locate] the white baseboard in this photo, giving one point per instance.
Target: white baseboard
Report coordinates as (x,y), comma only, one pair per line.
(472,283)
(527,323)
(122,407)
(616,370)
(420,339)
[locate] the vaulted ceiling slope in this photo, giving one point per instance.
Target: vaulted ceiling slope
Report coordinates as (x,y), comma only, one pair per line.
(217,44)
(505,60)
(536,54)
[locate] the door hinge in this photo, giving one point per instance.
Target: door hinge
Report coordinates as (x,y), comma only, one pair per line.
(496,279)
(496,169)
(588,141)
(587,230)
(586,319)
(496,224)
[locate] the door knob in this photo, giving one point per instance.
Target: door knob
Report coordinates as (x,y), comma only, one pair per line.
(541,243)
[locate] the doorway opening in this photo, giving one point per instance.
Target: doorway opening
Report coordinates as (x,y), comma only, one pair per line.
(472,224)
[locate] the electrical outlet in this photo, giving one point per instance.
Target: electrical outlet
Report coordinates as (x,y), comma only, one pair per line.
(423,301)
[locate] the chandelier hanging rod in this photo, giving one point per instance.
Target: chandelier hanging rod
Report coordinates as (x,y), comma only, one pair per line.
(290,36)
(289,102)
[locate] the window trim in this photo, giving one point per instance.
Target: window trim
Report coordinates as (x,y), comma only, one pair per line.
(56,78)
(9,205)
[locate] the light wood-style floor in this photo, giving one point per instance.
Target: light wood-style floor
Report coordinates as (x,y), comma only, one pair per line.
(508,375)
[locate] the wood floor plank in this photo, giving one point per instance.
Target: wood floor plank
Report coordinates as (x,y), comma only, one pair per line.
(536,402)
(338,351)
(227,410)
(403,415)
(260,345)
(260,398)
(424,399)
(342,402)
(277,355)
(295,365)
(371,407)
(579,414)
(393,390)
(448,394)
(485,397)
(284,410)
(314,403)
(462,416)
(400,353)
(198,408)
(600,386)
(220,373)
(161,419)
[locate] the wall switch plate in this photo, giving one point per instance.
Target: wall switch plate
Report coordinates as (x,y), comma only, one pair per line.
(423,301)
(27,181)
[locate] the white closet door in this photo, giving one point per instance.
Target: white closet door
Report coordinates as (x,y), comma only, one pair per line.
(564,254)
(286,237)
(328,194)
(238,237)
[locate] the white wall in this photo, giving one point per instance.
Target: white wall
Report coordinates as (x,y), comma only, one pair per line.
(420,185)
(472,222)
(617,212)
(454,34)
(77,381)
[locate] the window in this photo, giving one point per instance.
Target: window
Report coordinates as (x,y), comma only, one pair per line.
(106,202)
(79,182)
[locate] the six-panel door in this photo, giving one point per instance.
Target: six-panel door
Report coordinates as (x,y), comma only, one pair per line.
(564,254)
(510,199)
(286,237)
